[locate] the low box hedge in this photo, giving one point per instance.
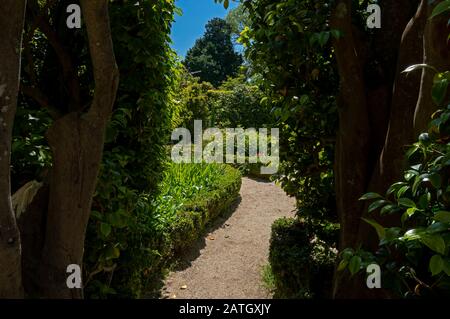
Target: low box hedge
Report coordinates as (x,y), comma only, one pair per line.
(301,264)
(195,215)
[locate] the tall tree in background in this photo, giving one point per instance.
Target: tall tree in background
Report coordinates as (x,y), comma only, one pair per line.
(213,58)
(237,18)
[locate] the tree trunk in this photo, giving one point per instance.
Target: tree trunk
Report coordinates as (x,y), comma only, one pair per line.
(391,161)
(12,16)
(422,42)
(384,108)
(352,141)
(405,93)
(437,54)
(77,142)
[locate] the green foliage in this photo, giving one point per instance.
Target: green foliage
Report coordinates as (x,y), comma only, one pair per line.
(237,18)
(415,254)
(288,46)
(443,7)
(134,245)
(301,264)
(237,103)
(207,204)
(31,155)
(195,99)
(268,278)
(213,56)
(120,237)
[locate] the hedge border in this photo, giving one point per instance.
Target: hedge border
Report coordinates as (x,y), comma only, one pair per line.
(193,219)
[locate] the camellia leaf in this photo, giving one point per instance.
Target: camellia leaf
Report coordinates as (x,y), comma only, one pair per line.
(414,234)
(388,209)
(436,265)
(439,91)
(112,253)
(435,180)
(370,196)
(412,150)
(440,8)
(434,242)
(377,204)
(354,264)
(402,191)
(442,216)
(394,187)
(347,254)
(105,229)
(323,38)
(406,202)
(342,265)
(380,229)
(437,227)
(410,211)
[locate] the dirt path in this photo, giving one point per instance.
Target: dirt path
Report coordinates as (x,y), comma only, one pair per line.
(228,262)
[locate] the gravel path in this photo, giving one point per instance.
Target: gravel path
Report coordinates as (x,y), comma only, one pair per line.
(228,262)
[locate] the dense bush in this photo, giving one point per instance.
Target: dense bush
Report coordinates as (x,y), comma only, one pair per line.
(120,235)
(194,98)
(208,202)
(414,251)
(288,46)
(135,247)
(302,265)
(237,103)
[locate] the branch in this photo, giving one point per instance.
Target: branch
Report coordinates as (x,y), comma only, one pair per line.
(68,66)
(41,99)
(106,72)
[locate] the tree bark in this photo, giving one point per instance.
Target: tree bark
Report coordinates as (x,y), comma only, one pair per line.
(378,107)
(437,54)
(12,16)
(353,136)
(76,141)
(405,94)
(391,162)
(380,70)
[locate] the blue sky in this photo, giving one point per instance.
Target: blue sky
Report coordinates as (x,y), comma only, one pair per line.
(191,25)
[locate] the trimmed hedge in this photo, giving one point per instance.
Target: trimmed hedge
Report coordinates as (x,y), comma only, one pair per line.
(301,264)
(160,232)
(195,215)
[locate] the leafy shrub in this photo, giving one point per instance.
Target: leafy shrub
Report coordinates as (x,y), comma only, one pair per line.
(289,48)
(121,228)
(134,246)
(414,255)
(288,45)
(237,103)
(205,206)
(302,265)
(194,98)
